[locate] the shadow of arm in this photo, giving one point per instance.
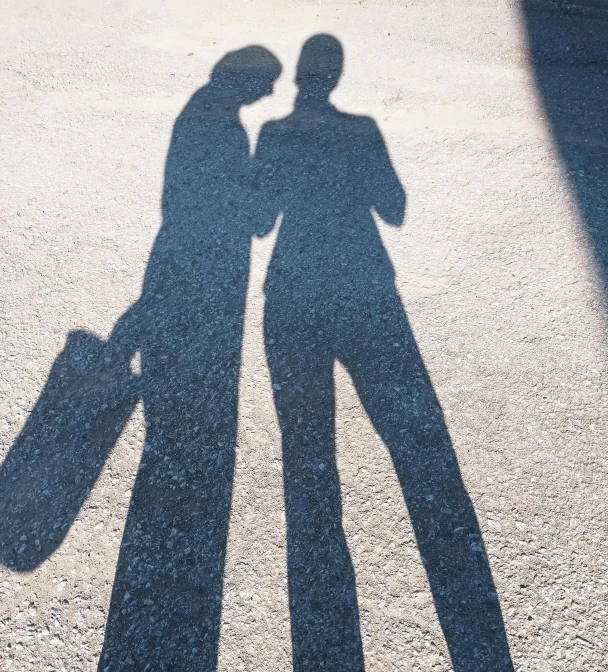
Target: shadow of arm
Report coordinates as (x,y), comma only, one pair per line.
(265,203)
(387,193)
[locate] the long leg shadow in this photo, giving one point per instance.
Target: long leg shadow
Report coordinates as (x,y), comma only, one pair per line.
(330,295)
(568,45)
(187,326)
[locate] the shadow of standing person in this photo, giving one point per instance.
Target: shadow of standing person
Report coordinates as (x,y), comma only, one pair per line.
(187,327)
(330,295)
(166,601)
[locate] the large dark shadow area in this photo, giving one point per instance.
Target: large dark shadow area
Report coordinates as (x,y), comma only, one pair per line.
(331,296)
(568,45)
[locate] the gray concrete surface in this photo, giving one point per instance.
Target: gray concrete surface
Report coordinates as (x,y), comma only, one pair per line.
(496,266)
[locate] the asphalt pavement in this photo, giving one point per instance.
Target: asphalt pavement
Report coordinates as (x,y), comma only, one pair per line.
(303,343)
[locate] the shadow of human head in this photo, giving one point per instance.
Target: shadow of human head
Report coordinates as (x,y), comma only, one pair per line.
(245,75)
(319,68)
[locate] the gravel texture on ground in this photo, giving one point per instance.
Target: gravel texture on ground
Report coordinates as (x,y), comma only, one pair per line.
(196,401)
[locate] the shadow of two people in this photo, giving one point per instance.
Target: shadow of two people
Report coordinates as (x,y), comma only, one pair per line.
(330,295)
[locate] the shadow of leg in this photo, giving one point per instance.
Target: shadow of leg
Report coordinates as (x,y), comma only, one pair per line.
(394,387)
(322,591)
(166,601)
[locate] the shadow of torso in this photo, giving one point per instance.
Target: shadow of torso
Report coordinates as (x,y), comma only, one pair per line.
(329,169)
